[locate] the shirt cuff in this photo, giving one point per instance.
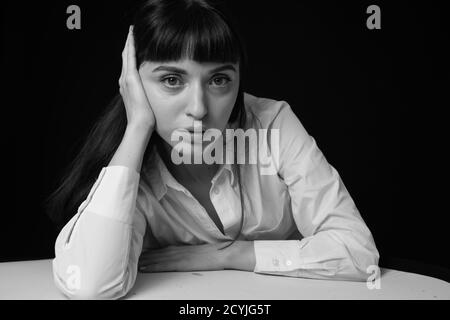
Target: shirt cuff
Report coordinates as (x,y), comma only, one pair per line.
(114,193)
(277,255)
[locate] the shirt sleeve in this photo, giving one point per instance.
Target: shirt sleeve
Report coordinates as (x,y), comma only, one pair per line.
(336,242)
(97,251)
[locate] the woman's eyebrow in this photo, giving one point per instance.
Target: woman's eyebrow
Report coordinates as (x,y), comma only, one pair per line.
(182,71)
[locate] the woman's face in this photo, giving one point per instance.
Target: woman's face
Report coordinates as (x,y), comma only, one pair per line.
(185,91)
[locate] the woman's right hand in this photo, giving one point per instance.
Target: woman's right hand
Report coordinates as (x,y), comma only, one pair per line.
(138,109)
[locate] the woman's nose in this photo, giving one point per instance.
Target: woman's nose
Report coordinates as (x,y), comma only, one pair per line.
(197,108)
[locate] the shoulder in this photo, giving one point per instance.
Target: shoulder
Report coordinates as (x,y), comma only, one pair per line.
(263,112)
(266,113)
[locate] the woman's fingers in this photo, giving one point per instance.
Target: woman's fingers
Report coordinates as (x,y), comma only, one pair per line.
(131,88)
(131,76)
(131,63)
(124,61)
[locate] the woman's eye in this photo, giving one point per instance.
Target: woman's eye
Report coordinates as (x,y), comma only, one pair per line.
(171,81)
(221,81)
(175,82)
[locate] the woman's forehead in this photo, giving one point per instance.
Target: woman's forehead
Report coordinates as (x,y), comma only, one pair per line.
(190,66)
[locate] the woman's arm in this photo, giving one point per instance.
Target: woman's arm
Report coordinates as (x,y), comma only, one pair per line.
(130,152)
(96,253)
(206,257)
(337,243)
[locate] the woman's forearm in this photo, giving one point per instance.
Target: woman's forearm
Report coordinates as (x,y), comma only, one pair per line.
(131,150)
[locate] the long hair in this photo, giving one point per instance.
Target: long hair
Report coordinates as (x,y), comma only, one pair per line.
(164,30)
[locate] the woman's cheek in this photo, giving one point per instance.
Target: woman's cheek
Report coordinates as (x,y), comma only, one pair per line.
(157,102)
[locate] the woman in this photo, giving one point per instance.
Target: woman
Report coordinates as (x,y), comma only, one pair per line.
(183,70)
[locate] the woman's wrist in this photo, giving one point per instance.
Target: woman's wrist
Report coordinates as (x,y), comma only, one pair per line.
(131,150)
(141,128)
(240,256)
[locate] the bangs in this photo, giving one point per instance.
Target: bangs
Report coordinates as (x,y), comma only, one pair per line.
(194,33)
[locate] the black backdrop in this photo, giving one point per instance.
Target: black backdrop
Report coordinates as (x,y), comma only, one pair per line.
(373,99)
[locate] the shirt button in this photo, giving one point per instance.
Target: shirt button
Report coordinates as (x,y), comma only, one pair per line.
(216,190)
(288,262)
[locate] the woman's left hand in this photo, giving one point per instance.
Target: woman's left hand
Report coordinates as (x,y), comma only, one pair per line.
(206,257)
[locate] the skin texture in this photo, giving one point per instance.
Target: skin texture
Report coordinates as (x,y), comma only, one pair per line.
(206,257)
(168,101)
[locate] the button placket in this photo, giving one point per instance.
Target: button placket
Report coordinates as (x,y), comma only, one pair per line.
(215,191)
(226,209)
(216,197)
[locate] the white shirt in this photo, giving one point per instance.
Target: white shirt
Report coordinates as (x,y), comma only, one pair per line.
(302,220)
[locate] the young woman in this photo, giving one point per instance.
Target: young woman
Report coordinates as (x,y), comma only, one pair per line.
(127,205)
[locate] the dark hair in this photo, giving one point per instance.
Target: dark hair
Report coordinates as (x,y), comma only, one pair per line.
(164,30)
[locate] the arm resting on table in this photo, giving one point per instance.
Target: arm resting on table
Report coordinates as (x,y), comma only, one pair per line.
(337,244)
(97,251)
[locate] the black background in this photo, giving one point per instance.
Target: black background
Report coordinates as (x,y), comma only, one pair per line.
(374,100)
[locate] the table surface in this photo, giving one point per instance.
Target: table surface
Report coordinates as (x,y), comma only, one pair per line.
(34,280)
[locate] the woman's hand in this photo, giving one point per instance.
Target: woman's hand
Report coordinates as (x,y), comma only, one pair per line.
(139,111)
(206,257)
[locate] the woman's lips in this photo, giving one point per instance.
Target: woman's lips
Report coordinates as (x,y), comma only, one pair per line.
(191,129)
(195,135)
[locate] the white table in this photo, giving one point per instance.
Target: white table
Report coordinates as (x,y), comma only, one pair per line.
(34,280)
